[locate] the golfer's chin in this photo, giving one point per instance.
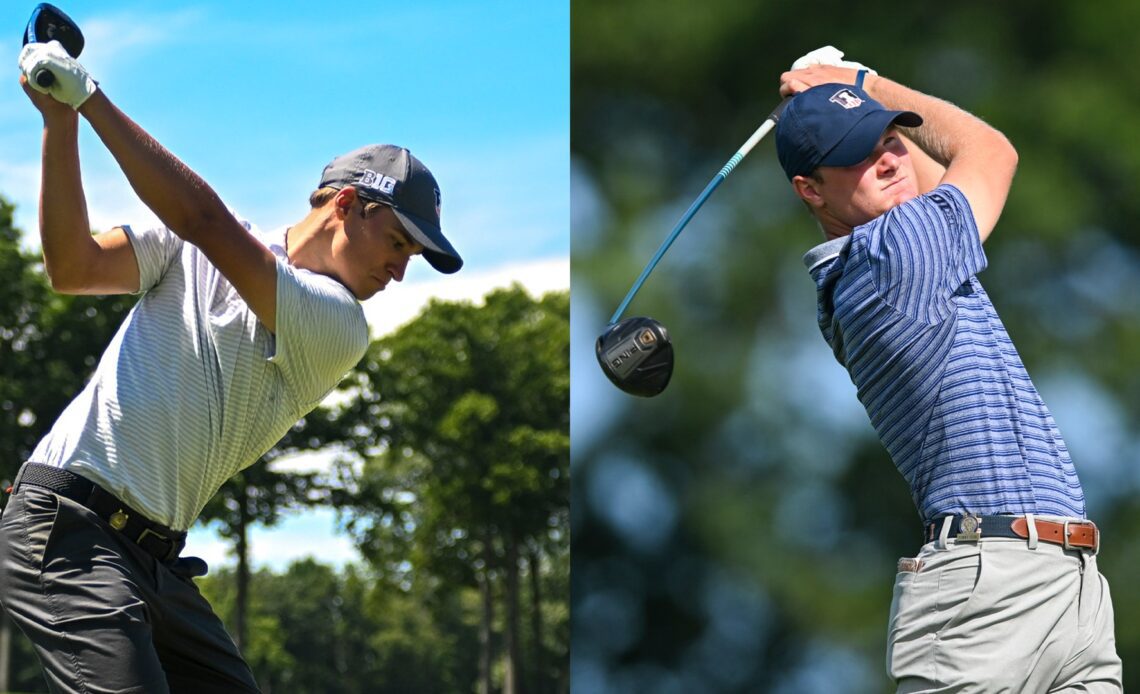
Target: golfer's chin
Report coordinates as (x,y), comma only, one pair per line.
(898,194)
(362,288)
(366,293)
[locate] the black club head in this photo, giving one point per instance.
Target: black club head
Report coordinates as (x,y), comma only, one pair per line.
(636,355)
(49,23)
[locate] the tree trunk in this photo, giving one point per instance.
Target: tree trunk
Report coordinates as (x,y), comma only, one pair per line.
(513,683)
(242,603)
(486,622)
(536,628)
(5,653)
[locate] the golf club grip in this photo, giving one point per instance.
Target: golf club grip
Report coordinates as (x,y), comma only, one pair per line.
(764,129)
(44,78)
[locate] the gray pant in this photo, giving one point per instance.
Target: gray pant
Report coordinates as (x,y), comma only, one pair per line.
(998,616)
(103,614)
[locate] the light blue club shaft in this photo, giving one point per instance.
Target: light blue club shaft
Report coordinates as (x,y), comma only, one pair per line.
(765,127)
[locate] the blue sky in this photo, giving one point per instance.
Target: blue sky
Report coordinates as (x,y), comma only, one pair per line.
(258,96)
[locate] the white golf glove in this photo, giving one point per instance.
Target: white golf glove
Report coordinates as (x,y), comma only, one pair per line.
(72,85)
(828,55)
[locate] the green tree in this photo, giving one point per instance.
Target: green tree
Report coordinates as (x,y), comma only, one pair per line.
(317,630)
(265,649)
(466,453)
(256,495)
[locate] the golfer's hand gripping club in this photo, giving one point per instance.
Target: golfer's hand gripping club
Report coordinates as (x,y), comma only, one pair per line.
(69,81)
(764,129)
(828,55)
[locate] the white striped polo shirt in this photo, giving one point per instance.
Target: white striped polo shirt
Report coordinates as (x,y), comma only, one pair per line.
(193,388)
(902,308)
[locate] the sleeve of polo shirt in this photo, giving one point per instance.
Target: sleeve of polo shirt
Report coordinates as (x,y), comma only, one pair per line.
(923,251)
(321,333)
(155,249)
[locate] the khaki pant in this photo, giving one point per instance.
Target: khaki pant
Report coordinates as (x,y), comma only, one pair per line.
(997,616)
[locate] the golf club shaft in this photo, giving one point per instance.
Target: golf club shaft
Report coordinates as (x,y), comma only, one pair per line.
(765,127)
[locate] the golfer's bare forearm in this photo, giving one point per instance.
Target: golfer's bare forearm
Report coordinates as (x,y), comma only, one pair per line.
(177,195)
(65,234)
(979,159)
(946,129)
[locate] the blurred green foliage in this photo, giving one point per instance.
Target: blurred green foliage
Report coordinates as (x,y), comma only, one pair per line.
(740,531)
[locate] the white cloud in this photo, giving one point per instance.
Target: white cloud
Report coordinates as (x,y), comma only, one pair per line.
(316,461)
(400,303)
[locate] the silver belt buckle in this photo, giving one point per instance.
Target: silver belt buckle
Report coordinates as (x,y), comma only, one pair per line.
(969,528)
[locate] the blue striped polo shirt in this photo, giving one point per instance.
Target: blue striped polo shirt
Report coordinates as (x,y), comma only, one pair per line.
(900,304)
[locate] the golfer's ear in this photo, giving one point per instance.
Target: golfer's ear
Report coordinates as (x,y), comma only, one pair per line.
(808,190)
(344,199)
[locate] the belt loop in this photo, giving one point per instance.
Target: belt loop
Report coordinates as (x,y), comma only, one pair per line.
(1032,525)
(93,497)
(944,533)
(19,476)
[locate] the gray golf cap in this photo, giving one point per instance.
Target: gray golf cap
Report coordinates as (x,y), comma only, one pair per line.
(390,175)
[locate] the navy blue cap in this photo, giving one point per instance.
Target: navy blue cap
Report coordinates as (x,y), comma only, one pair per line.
(833,125)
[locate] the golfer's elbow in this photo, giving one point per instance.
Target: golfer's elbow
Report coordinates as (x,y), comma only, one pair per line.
(101,264)
(65,264)
(1005,163)
(200,222)
(1006,154)
(997,159)
(66,278)
(60,282)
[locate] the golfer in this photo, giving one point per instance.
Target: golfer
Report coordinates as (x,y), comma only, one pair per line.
(235,336)
(1005,595)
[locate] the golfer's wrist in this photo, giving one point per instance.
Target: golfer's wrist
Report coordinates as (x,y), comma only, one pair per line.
(60,122)
(870,82)
(91,102)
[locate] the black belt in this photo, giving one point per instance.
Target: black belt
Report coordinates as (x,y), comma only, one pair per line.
(1082,534)
(158,540)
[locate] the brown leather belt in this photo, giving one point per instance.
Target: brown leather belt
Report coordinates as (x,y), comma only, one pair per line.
(1072,534)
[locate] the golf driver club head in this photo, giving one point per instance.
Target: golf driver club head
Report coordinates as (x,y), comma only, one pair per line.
(636,355)
(49,23)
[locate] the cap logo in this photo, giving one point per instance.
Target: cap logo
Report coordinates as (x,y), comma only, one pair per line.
(371,179)
(846,98)
(438,202)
